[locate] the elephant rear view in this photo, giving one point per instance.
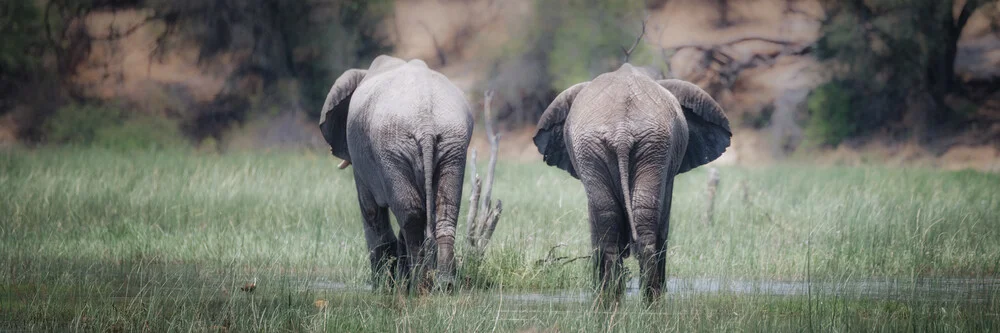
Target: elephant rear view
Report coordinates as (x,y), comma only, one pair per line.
(625,136)
(405,128)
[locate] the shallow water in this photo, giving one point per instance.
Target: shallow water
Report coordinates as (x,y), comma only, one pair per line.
(940,289)
(968,290)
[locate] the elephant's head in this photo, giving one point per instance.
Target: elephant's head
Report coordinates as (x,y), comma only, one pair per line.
(708,127)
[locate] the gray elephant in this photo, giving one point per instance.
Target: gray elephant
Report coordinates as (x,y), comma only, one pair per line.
(405,128)
(625,136)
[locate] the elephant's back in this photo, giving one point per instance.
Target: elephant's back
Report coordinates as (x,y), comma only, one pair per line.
(624,105)
(393,113)
(410,98)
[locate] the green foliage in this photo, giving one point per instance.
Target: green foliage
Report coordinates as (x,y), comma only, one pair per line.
(310,41)
(21,42)
(20,32)
(349,39)
(892,50)
(141,132)
(831,115)
(109,127)
(588,36)
(566,42)
(79,123)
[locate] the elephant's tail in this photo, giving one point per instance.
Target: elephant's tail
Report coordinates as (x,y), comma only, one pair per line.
(623,171)
(427,152)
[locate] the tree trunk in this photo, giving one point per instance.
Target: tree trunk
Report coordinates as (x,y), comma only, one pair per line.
(723,7)
(941,63)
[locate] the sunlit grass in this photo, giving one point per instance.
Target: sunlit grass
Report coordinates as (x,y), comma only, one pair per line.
(94,239)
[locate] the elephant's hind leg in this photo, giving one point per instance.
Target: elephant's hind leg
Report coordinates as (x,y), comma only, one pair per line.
(609,236)
(407,204)
(382,245)
(659,275)
(449,177)
(651,210)
(412,225)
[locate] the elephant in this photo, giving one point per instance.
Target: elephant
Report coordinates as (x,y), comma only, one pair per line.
(405,129)
(625,136)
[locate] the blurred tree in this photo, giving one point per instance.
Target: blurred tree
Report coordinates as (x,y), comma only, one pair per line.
(888,56)
(724,19)
(43,44)
(292,49)
(566,42)
(308,41)
(19,51)
(588,36)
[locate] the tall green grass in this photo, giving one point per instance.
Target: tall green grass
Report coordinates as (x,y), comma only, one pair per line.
(95,239)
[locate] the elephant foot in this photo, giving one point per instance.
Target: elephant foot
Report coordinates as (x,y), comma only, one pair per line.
(444,283)
(653,275)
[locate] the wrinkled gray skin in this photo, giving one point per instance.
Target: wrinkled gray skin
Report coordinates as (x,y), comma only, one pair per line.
(405,128)
(625,136)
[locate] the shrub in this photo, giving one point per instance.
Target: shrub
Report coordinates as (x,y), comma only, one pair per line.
(79,123)
(587,38)
(832,118)
(141,132)
(108,127)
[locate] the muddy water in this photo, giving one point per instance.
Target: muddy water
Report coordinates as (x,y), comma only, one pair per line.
(965,290)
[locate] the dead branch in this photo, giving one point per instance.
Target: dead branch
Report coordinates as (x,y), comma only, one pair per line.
(744,192)
(491,222)
(733,42)
(483,215)
(628,53)
(115,34)
(494,140)
(722,64)
(550,258)
(470,221)
(713,185)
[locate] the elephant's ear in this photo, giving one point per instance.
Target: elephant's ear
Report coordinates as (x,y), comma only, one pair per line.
(708,127)
(333,118)
(549,138)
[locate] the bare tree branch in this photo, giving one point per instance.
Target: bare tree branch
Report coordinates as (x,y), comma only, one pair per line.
(628,53)
(491,224)
(713,185)
(733,42)
(115,34)
(725,62)
(494,143)
(550,258)
(483,216)
(968,8)
(470,220)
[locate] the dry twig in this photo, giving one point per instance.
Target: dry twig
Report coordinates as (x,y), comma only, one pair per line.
(483,215)
(628,52)
(713,185)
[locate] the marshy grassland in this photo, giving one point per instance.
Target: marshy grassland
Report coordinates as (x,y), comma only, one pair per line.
(98,240)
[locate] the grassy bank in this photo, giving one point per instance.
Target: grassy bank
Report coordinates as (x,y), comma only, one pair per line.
(102,240)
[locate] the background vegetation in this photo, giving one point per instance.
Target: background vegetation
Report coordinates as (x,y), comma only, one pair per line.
(286,54)
(893,61)
(890,59)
